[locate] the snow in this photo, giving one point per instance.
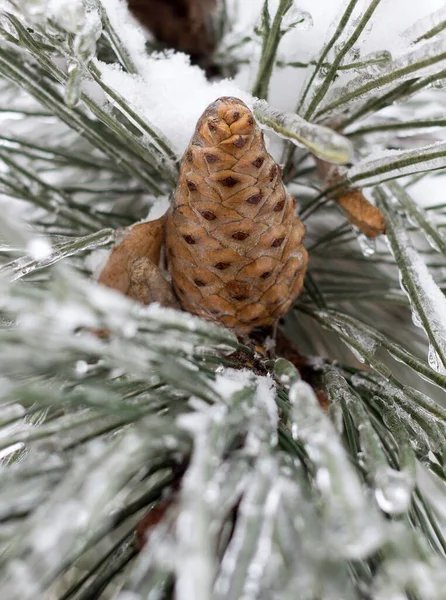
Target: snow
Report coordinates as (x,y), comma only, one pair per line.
(182,93)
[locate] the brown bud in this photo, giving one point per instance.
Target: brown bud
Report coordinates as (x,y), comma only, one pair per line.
(132,267)
(355,206)
(359,212)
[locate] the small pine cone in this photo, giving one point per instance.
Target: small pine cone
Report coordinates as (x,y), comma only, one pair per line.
(234,244)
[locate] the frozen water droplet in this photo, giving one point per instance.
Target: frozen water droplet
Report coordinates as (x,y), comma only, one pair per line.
(296,18)
(73,87)
(367,245)
(85,41)
(439,84)
(81,367)
(294,431)
(393,490)
(68,15)
(435,361)
(286,372)
(38,249)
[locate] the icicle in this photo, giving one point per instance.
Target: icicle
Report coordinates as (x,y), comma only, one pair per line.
(357,527)
(74,82)
(321,141)
(84,44)
(335,397)
(271,549)
(248,411)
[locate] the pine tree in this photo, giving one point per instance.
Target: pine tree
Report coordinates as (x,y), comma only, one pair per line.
(149,454)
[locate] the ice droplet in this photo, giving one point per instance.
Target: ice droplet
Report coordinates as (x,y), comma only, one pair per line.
(73,88)
(393,490)
(68,15)
(38,249)
(85,41)
(434,361)
(295,18)
(286,372)
(366,244)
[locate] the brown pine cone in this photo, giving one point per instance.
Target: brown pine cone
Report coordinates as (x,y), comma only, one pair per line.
(185,25)
(234,243)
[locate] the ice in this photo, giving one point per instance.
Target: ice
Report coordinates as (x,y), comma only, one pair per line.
(39,249)
(297,18)
(390,164)
(357,526)
(248,406)
(427,301)
(422,61)
(286,372)
(42,255)
(427,26)
(321,141)
(406,412)
(419,217)
(366,244)
(74,83)
(370,64)
(64,521)
(393,489)
(69,16)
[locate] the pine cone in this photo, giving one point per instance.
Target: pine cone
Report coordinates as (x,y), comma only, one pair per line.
(185,25)
(234,243)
